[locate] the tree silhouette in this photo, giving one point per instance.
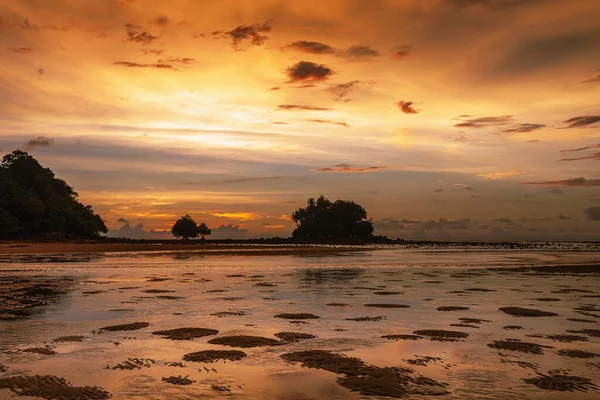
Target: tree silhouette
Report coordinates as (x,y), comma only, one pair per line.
(34,203)
(323,219)
(203,230)
(185,228)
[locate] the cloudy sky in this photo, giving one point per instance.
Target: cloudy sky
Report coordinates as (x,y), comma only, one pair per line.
(446,119)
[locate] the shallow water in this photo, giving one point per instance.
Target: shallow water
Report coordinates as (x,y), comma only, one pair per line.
(271,285)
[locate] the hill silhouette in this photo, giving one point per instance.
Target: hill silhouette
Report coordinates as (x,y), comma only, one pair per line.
(34,203)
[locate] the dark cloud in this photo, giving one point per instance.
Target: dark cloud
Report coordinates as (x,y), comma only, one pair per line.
(246,33)
(21,50)
(592,213)
(573,182)
(306,71)
(438,190)
(156,52)
(401,52)
(161,21)
(406,107)
(348,168)
(592,156)
(310,47)
(327,121)
(556,191)
(595,79)
(579,122)
(503,220)
(137,65)
(180,60)
(563,217)
(359,52)
(40,141)
(279,123)
(41,71)
(295,107)
(123,220)
(342,90)
(135,34)
(524,128)
(532,55)
(483,122)
(274,88)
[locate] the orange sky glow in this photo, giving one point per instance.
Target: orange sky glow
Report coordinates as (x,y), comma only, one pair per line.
(446,119)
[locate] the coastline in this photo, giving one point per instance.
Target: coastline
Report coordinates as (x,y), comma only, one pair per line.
(22,248)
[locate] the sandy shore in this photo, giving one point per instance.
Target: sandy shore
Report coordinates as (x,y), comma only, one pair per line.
(8,248)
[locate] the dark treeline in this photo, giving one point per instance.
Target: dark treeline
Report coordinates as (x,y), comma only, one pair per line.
(34,203)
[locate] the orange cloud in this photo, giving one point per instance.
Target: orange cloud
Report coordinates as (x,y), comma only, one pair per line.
(348,168)
(499,175)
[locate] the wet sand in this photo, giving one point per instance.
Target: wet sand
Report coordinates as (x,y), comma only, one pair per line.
(450,325)
(30,248)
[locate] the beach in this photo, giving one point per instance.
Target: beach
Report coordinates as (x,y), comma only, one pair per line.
(352,325)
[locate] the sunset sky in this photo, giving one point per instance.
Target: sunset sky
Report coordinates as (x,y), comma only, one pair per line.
(446,119)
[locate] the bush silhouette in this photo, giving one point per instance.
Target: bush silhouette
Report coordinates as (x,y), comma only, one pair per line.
(323,219)
(203,230)
(185,228)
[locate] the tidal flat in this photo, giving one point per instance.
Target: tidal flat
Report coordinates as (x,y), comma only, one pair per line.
(390,323)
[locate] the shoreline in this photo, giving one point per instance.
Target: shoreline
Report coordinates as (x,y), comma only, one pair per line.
(9,248)
(28,248)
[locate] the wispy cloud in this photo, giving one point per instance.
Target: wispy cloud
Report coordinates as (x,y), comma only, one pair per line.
(180,60)
(349,168)
(251,34)
(305,46)
(401,52)
(583,121)
(592,156)
(138,65)
(21,50)
(523,128)
(327,121)
(359,52)
(341,91)
(137,35)
(573,182)
(296,107)
(483,122)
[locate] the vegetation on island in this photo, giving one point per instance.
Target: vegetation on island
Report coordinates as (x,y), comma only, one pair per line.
(34,203)
(186,228)
(324,219)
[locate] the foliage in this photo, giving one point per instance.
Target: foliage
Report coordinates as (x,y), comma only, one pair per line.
(203,230)
(34,203)
(186,228)
(323,219)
